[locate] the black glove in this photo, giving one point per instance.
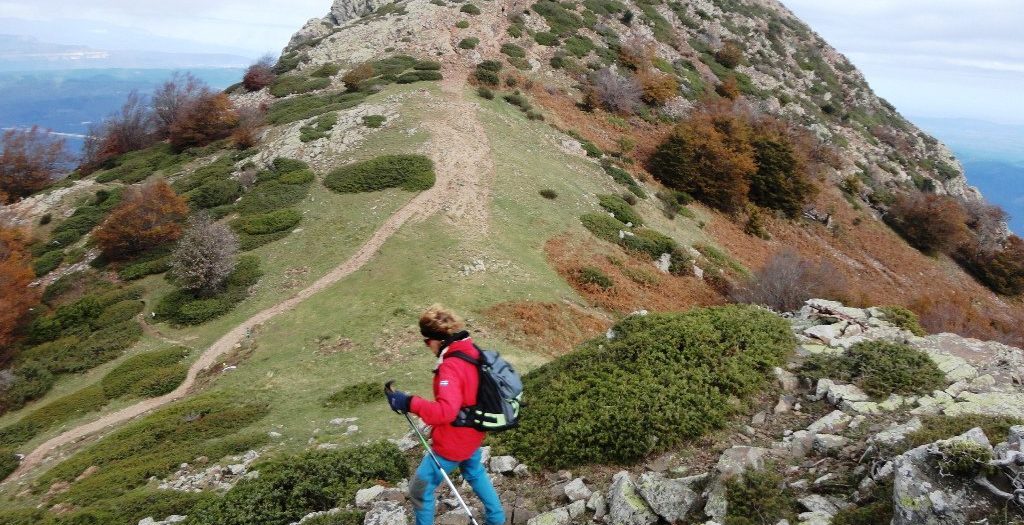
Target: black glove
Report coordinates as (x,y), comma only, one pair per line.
(399,401)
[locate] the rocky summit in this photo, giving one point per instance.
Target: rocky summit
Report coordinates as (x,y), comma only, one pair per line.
(740,287)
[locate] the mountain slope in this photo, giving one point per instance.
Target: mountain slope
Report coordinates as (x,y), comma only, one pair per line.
(340,290)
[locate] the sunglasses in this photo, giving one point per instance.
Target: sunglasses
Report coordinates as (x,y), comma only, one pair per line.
(427,340)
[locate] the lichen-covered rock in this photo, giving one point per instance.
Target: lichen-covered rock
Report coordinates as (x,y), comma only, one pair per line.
(625,505)
(344,10)
(577,490)
(896,433)
(671,499)
(386,513)
(503,464)
(831,423)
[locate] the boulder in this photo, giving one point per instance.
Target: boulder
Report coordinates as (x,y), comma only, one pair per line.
(896,433)
(827,333)
(1009,404)
(577,490)
(364,497)
(832,423)
(829,444)
(837,393)
(386,513)
(344,10)
(672,499)
(818,504)
(922,496)
(576,509)
(736,460)
(503,464)
(598,505)
(787,380)
(559,516)
(625,505)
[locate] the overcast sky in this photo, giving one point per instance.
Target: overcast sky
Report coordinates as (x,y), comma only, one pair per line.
(937,58)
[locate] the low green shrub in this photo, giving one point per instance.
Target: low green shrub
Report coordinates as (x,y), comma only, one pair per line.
(485,93)
(759,497)
(275,221)
(904,318)
(29,380)
(579,46)
(487,77)
(518,100)
(935,428)
(345,517)
(319,129)
(219,170)
(54,413)
(963,458)
(649,242)
(688,372)
(301,177)
(307,106)
(248,242)
(294,85)
(354,395)
(878,508)
(545,38)
(8,463)
(47,262)
(549,194)
(591,149)
(594,276)
(119,312)
(880,368)
(469,42)
(291,487)
(490,65)
(603,226)
(374,121)
(270,196)
(621,209)
(207,425)
(623,177)
(130,377)
(513,50)
(417,76)
(470,9)
(408,172)
(462,24)
(137,271)
(427,65)
(326,71)
(215,193)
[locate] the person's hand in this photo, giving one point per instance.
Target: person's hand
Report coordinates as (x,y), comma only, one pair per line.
(399,401)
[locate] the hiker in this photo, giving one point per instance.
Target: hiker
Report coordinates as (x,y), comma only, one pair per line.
(455,386)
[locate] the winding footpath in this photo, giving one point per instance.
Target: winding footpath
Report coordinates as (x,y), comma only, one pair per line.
(464,169)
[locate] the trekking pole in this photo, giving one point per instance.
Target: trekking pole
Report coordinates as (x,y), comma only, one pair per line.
(430,452)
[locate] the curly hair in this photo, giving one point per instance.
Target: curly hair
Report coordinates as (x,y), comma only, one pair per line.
(440,323)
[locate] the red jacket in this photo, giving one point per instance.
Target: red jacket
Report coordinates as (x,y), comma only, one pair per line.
(455,385)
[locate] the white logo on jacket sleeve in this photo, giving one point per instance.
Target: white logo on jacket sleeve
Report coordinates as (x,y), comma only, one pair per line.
(444,382)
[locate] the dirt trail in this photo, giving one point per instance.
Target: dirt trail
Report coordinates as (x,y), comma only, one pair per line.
(464,168)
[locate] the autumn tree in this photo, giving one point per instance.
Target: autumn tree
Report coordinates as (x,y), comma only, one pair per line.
(357,75)
(658,88)
(31,160)
(781,181)
(709,155)
(251,121)
(1000,268)
(148,216)
(929,222)
(208,118)
(728,88)
(173,97)
(205,256)
(130,129)
(729,55)
(259,75)
(16,298)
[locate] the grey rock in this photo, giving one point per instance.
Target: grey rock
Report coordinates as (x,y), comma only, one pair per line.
(522,515)
(559,516)
(576,509)
(521,470)
(454,517)
(503,464)
(598,505)
(577,490)
(625,505)
(896,433)
(364,497)
(834,422)
(784,405)
(736,460)
(386,513)
(344,10)
(672,499)
(819,504)
(787,380)
(829,444)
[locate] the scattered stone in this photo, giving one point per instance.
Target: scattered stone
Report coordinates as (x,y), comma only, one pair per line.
(672,499)
(577,490)
(787,380)
(559,516)
(576,509)
(598,505)
(386,513)
(896,433)
(784,405)
(626,506)
(503,464)
(521,470)
(832,423)
(829,444)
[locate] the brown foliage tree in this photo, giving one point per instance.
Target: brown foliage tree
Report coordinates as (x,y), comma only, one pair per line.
(614,92)
(250,122)
(658,88)
(357,75)
(131,129)
(929,222)
(1001,268)
(782,181)
(728,88)
(988,223)
(729,55)
(259,75)
(709,155)
(149,215)
(30,161)
(208,118)
(636,54)
(16,298)
(173,97)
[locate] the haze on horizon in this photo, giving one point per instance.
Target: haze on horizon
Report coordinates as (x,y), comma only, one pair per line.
(931,58)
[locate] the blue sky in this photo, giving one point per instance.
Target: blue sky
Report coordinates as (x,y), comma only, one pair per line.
(934,58)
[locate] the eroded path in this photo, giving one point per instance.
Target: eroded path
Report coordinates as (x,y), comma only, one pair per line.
(464,167)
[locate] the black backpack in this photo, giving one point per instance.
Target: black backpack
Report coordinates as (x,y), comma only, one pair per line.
(498,397)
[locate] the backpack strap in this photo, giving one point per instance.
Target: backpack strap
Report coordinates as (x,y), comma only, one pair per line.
(463,356)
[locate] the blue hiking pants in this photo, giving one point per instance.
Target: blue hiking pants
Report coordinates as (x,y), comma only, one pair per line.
(428,477)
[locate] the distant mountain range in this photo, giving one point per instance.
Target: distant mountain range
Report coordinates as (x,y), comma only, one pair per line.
(23,53)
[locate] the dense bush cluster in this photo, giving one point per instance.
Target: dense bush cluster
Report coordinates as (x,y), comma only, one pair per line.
(50,254)
(408,172)
(149,216)
(184,307)
(296,84)
(30,160)
(291,487)
(727,158)
(146,375)
(931,223)
(17,299)
(266,212)
(687,373)
(621,209)
(880,368)
(759,497)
